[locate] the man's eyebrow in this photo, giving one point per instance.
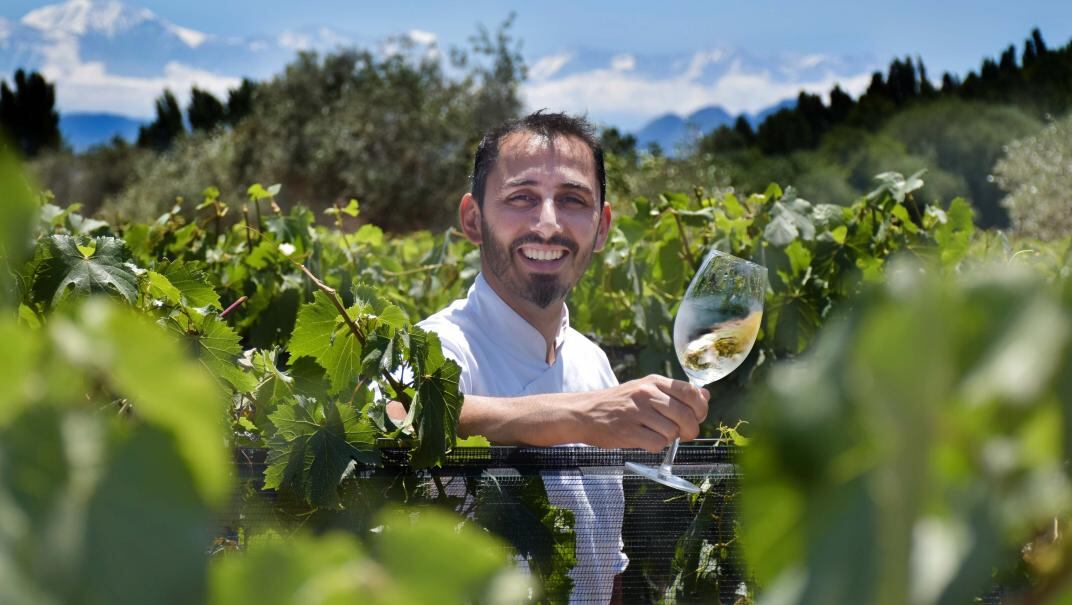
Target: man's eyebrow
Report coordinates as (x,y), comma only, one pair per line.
(524,182)
(521,182)
(576,185)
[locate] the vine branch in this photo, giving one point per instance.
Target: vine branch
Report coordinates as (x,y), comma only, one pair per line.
(684,240)
(333,296)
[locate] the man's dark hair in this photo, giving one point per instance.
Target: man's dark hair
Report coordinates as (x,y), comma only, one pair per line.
(549,125)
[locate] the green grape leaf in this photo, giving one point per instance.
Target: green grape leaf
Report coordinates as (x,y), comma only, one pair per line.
(425,351)
(160,288)
(69,270)
(312,447)
(193,284)
(789,221)
(19,357)
(263,254)
(472,441)
(438,403)
(799,257)
(147,479)
(295,228)
(901,213)
(256,192)
(216,346)
(369,234)
(839,233)
(166,387)
(393,316)
(954,234)
(275,386)
(322,334)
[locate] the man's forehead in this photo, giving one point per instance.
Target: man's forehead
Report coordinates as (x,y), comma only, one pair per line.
(521,150)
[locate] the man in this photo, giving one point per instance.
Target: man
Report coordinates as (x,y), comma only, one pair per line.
(538,211)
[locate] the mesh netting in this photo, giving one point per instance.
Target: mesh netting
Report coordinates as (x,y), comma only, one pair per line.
(680,548)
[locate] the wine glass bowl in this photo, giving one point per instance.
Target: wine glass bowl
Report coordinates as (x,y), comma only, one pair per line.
(715,327)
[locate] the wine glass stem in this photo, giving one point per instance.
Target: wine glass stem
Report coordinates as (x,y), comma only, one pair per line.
(666,467)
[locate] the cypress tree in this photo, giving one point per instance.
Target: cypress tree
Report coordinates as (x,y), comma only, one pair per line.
(28,114)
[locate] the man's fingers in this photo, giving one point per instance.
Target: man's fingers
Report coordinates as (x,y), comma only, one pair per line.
(662,425)
(694,398)
(649,440)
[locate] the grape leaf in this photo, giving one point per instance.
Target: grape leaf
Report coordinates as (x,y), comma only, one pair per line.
(159,287)
(312,447)
(321,334)
(954,234)
(217,349)
(68,270)
(192,284)
(437,405)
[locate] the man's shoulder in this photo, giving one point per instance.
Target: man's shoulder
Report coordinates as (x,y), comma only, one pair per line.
(449,323)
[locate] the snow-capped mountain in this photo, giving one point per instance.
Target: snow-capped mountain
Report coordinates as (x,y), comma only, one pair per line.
(109,57)
(629,90)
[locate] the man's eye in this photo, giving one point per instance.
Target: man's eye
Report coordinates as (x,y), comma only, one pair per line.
(520,197)
(575,201)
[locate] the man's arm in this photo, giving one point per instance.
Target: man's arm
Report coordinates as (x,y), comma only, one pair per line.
(647,413)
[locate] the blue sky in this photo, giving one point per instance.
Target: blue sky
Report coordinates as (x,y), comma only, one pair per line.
(624,62)
(949,35)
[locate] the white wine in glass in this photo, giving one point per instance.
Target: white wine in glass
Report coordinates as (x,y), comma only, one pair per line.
(714,330)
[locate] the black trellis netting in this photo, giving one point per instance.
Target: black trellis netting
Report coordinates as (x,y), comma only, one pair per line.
(681,548)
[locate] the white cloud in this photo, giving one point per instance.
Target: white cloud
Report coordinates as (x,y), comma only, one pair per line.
(422,37)
(630,95)
(90,87)
(294,41)
(703,59)
(5,29)
(548,66)
(192,38)
(625,62)
(809,61)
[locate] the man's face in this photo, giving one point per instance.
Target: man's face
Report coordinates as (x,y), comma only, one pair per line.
(541,219)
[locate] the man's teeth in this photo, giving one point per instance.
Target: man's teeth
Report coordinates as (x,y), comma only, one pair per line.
(535,254)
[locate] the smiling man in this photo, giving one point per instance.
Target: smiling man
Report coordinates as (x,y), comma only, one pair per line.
(538,211)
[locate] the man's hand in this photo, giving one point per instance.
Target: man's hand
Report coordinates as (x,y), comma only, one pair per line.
(647,413)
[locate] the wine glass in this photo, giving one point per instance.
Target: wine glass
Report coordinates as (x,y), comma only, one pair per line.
(714,330)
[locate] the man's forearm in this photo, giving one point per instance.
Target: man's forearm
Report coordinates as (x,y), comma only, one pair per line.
(539,420)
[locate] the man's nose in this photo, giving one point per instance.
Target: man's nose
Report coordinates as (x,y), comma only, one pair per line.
(547,218)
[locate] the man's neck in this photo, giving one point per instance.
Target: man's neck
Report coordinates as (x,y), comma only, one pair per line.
(547,320)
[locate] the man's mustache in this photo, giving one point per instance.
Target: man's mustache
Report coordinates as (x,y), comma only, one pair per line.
(555,240)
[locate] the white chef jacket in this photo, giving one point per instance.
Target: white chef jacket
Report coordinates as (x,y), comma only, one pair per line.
(502,355)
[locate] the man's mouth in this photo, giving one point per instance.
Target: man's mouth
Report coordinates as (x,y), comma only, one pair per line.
(543,257)
(542,253)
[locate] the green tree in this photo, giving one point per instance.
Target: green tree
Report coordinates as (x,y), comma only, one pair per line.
(394,131)
(28,113)
(205,111)
(167,126)
(1036,174)
(240,101)
(619,143)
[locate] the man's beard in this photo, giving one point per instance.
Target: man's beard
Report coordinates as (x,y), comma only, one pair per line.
(541,289)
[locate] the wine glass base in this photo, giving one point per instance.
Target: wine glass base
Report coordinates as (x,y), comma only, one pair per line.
(657,475)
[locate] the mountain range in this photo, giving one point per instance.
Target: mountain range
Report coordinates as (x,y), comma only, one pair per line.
(672,131)
(107,57)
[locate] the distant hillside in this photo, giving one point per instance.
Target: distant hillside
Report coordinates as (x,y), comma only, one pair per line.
(84,130)
(671,130)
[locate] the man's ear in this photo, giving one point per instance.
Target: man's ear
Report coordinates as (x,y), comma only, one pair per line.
(604,226)
(469,215)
